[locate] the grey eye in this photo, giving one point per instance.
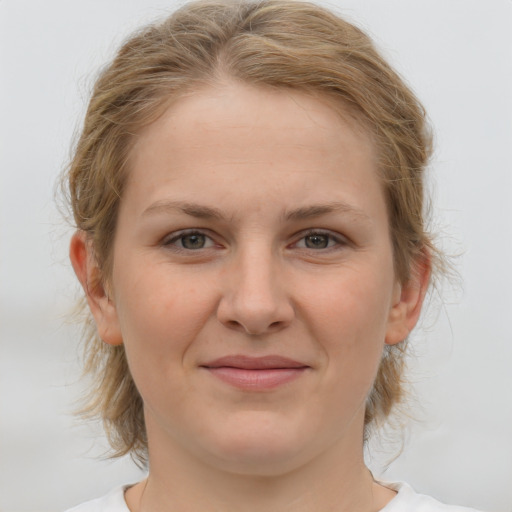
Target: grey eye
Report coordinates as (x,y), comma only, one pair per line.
(317,241)
(193,241)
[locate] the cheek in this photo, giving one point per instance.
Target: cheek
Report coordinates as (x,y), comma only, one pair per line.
(160,313)
(350,320)
(159,326)
(356,304)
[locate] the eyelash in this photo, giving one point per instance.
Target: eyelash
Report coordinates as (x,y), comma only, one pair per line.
(180,235)
(333,240)
(337,239)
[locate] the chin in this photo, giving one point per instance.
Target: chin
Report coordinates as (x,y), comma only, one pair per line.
(261,448)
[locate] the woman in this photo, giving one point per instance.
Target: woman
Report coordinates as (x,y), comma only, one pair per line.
(248,195)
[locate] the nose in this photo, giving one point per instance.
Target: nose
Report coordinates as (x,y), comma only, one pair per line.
(254,298)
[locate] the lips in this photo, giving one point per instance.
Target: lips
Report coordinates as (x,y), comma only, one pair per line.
(255,373)
(255,363)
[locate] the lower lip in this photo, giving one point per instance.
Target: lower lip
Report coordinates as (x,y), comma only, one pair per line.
(256,380)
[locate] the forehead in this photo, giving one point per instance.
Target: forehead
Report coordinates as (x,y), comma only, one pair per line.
(218,138)
(247,106)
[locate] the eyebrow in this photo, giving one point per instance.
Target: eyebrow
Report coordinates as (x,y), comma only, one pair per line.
(192,209)
(303,213)
(317,210)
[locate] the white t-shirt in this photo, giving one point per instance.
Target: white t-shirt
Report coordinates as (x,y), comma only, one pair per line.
(405,501)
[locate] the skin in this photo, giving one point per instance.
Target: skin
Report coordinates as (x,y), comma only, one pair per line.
(268,274)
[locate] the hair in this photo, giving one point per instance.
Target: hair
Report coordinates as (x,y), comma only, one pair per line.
(270,43)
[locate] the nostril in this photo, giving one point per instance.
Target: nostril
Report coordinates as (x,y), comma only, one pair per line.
(254,317)
(233,324)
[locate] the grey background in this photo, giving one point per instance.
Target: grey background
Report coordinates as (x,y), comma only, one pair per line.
(456,54)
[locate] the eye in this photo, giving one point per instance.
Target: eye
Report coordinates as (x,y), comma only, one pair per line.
(319,240)
(189,240)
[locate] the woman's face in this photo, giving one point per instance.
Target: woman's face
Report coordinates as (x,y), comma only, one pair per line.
(253,283)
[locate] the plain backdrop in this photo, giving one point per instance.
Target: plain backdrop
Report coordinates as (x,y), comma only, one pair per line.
(457,56)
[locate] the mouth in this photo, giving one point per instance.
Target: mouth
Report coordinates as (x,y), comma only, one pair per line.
(255,373)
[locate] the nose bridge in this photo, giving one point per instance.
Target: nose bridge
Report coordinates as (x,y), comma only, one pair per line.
(256,272)
(255,299)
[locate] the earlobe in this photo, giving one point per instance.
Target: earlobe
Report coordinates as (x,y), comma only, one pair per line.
(408,301)
(88,273)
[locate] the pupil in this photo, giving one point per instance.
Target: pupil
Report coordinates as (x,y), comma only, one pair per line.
(317,241)
(193,241)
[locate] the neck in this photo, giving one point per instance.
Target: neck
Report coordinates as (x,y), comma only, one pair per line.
(336,480)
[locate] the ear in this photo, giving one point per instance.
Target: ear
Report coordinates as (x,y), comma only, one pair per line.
(408,301)
(88,272)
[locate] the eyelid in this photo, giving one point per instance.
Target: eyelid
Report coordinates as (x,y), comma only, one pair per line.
(170,239)
(336,237)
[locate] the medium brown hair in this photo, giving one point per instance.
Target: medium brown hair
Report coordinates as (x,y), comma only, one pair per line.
(276,43)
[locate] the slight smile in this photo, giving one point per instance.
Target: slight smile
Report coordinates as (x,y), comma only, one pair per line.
(255,373)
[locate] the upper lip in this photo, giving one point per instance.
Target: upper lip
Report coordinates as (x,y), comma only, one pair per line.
(254,363)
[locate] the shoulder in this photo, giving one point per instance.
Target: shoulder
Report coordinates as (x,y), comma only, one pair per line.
(113,502)
(407,500)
